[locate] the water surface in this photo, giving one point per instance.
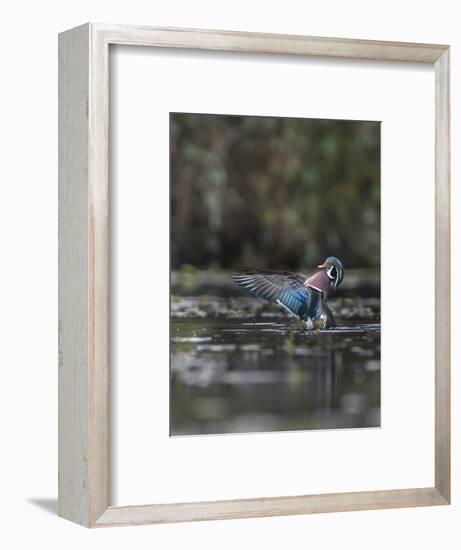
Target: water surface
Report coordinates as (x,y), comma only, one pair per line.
(241,365)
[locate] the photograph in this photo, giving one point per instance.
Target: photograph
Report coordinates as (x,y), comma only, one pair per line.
(230,289)
(275,274)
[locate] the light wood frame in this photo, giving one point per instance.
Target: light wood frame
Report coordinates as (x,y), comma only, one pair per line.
(84,483)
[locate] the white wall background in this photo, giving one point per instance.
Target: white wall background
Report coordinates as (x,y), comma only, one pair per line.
(28,294)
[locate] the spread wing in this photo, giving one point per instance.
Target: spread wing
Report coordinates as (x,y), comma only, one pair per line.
(279,287)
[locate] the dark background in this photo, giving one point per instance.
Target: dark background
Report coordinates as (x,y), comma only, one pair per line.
(269,192)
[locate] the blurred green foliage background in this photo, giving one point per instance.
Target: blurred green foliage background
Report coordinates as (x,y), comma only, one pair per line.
(270,192)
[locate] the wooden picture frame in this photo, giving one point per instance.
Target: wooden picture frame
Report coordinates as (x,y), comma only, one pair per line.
(84,483)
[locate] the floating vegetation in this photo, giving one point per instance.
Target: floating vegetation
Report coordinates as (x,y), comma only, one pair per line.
(246,308)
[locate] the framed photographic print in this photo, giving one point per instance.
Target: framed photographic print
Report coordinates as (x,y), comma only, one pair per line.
(254,288)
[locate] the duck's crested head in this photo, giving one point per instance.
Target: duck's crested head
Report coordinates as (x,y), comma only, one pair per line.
(334,269)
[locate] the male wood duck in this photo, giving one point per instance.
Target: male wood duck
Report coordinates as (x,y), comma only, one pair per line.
(305,297)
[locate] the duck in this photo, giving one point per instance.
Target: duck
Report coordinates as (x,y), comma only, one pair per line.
(302,296)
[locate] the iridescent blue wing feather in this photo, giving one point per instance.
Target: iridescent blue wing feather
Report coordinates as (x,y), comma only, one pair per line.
(279,287)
